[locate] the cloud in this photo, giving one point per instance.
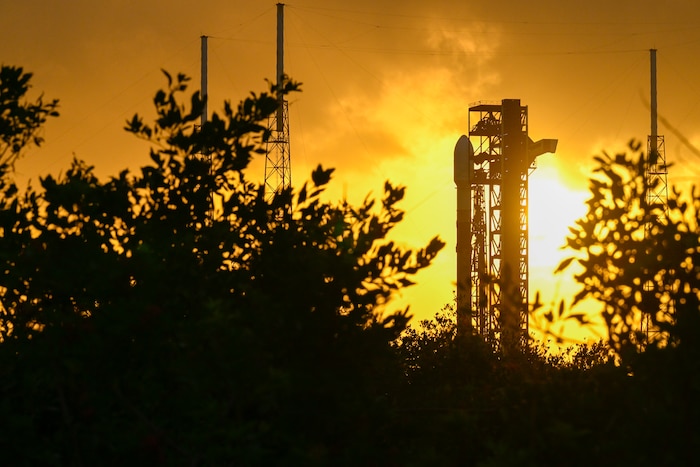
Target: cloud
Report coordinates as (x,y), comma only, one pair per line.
(388,110)
(470,51)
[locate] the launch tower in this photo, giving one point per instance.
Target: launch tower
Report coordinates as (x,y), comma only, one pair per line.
(492,165)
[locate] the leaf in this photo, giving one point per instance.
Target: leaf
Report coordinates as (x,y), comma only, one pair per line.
(167,75)
(321,176)
(560,313)
(580,317)
(564,264)
(301,197)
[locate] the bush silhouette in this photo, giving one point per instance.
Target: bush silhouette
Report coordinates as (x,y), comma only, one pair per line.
(172,315)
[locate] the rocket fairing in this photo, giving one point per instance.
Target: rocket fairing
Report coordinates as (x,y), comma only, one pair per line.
(464,152)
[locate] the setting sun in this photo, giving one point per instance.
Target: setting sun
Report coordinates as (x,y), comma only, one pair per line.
(552,208)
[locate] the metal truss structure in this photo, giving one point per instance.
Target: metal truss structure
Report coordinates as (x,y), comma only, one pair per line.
(656,181)
(656,174)
(493,298)
(278,163)
(278,167)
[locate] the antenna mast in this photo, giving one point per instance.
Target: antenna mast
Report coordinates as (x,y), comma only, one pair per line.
(278,175)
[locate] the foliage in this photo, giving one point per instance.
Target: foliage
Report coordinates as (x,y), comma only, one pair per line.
(463,404)
(638,257)
(20,121)
(172,315)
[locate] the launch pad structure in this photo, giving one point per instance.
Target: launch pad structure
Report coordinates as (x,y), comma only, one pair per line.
(492,165)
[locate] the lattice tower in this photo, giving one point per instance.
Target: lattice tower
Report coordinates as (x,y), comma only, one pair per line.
(499,158)
(278,166)
(656,180)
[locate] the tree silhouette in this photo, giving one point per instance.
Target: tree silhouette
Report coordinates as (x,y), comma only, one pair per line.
(640,260)
(172,315)
(20,121)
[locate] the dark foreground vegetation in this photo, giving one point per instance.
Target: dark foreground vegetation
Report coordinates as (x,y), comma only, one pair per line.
(173,316)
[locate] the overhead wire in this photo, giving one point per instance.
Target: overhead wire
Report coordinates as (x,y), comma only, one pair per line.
(225,35)
(343,50)
(333,93)
(115,97)
(345,46)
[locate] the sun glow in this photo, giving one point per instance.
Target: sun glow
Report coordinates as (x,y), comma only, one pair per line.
(553,207)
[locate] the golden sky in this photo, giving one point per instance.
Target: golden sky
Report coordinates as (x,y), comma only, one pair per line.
(387,86)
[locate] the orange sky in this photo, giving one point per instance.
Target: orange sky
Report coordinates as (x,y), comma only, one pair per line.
(386,92)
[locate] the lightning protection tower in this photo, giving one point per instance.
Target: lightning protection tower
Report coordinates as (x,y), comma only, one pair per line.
(205,155)
(278,170)
(492,165)
(656,179)
(655,169)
